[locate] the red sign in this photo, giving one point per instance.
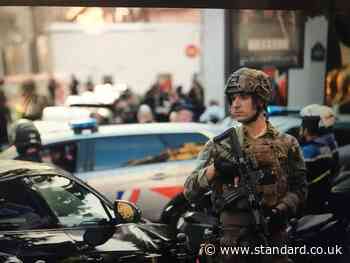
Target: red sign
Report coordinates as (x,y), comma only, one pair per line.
(192,51)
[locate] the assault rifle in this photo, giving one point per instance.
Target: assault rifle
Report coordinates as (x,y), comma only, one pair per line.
(249,177)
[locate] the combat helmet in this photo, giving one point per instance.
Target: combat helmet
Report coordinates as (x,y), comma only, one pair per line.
(249,81)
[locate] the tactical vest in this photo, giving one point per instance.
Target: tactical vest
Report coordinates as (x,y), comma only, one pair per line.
(270,152)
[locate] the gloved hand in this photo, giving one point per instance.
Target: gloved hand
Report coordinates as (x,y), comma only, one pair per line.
(225,168)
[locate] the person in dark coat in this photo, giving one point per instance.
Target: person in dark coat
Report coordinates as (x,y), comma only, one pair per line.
(5,118)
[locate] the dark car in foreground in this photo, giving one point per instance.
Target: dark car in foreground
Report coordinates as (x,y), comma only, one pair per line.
(47,215)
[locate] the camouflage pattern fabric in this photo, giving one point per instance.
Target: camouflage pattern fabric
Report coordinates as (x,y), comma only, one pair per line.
(275,152)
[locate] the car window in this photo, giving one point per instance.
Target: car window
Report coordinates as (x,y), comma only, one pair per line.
(122,151)
(71,203)
(184,146)
(64,155)
(20,209)
(175,140)
(144,149)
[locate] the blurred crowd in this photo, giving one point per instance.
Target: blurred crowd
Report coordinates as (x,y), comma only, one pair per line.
(162,102)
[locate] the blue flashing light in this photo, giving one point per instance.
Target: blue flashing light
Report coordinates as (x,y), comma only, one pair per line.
(87,124)
(273,109)
(281,110)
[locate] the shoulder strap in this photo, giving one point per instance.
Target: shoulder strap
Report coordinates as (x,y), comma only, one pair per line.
(240,135)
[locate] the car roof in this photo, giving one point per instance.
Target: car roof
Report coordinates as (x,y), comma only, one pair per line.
(10,169)
(52,132)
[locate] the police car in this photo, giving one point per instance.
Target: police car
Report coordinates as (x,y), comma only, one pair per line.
(144,163)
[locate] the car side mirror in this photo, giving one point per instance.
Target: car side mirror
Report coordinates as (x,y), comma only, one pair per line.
(126,212)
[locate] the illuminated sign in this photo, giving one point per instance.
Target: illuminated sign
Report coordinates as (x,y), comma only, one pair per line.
(268,38)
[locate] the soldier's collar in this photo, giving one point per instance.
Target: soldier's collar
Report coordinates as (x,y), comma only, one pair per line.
(270,131)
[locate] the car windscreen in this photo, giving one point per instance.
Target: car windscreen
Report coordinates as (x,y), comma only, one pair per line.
(71,203)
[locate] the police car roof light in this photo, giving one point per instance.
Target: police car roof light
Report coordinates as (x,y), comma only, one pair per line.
(273,110)
(87,124)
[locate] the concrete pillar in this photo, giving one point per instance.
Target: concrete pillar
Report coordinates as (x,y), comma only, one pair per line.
(306,85)
(212,68)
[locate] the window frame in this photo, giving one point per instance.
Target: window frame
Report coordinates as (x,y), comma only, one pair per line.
(81,154)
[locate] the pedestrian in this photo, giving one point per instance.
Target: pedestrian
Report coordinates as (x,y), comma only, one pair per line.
(173,116)
(51,88)
(144,114)
(320,150)
(213,114)
(5,117)
(89,85)
(180,93)
(27,141)
(184,112)
(283,188)
(74,85)
(107,79)
(32,104)
(196,97)
(158,100)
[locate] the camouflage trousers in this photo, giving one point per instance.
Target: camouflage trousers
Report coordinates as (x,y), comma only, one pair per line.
(237,234)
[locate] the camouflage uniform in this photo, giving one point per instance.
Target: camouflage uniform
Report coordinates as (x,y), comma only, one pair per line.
(279,156)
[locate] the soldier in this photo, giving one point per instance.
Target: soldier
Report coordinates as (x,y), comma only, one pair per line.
(27,141)
(320,150)
(283,189)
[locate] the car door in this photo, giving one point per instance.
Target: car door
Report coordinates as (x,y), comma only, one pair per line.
(28,229)
(146,169)
(88,221)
